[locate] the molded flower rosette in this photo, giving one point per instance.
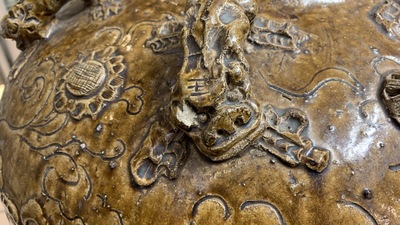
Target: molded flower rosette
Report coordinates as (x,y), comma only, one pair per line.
(88,85)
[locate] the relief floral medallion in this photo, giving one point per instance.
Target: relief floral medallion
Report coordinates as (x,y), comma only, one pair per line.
(88,85)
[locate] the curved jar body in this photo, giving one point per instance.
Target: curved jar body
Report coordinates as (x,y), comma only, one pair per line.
(202,112)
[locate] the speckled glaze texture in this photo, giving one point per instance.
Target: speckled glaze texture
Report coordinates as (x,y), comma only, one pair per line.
(202,112)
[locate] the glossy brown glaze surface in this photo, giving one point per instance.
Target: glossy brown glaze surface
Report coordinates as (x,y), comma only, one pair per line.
(202,112)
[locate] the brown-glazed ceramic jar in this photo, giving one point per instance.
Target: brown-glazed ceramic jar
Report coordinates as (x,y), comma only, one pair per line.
(202,112)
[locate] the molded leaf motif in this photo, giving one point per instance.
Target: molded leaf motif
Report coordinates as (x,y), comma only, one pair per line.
(165,37)
(105,9)
(391,95)
(388,16)
(283,35)
(162,153)
(284,137)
